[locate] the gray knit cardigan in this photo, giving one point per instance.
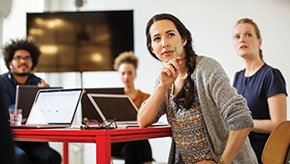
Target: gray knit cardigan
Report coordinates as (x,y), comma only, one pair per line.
(222,109)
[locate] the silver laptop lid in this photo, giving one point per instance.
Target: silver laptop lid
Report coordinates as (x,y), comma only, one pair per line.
(54,107)
(111,106)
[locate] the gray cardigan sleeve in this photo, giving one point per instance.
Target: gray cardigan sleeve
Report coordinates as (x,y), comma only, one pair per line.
(219,94)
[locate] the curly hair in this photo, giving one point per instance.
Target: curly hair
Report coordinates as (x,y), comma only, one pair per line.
(127,57)
(21,44)
(185,96)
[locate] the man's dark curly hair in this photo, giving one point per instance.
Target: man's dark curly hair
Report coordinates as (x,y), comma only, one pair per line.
(21,44)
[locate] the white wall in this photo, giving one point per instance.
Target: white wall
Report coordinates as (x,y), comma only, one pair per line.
(210,22)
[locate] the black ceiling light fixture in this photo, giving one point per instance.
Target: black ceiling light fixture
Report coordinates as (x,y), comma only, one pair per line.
(79,3)
(82,37)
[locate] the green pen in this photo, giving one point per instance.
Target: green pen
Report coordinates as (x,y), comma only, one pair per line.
(175,55)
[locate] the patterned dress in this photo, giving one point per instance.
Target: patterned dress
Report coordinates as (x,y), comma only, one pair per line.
(189,131)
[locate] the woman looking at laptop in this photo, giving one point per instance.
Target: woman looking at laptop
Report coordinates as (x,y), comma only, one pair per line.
(126,64)
(134,152)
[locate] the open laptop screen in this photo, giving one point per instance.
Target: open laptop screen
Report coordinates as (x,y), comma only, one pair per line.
(111,106)
(25,95)
(88,110)
(54,107)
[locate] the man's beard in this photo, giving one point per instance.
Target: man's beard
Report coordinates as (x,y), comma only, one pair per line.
(21,74)
(18,73)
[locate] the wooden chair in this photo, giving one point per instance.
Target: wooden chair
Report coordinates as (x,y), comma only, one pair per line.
(276,150)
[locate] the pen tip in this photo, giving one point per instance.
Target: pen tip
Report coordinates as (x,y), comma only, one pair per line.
(174,48)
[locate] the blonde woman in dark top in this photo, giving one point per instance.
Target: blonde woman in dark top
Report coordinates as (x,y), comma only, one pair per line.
(263,86)
(134,152)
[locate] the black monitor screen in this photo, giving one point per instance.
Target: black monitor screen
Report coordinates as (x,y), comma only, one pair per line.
(80,41)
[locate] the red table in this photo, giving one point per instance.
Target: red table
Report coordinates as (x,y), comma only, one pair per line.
(102,138)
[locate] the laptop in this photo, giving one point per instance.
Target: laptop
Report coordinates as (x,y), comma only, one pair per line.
(115,107)
(25,95)
(89,112)
(54,108)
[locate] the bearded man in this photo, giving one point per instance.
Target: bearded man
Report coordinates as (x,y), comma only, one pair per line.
(21,56)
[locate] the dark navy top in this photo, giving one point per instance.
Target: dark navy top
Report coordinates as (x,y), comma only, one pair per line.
(266,82)
(8,85)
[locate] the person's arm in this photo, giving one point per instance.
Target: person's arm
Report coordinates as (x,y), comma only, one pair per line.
(232,107)
(234,144)
(148,111)
(278,113)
